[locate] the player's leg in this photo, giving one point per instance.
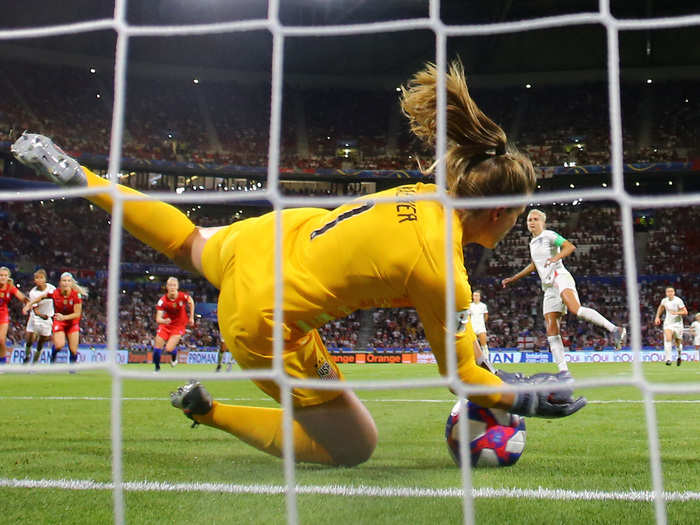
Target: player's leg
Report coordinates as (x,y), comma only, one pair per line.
(556,345)
(679,345)
(73,341)
(158,346)
(484,344)
(59,341)
(43,339)
(570,298)
(3,342)
(331,427)
(157,224)
(171,348)
(219,358)
(340,431)
(29,338)
(668,345)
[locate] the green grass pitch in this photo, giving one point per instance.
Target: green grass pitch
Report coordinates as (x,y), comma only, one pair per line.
(602,448)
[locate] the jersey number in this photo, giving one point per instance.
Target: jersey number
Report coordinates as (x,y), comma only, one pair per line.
(340,218)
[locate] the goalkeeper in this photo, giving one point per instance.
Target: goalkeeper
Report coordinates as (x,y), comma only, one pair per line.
(363,254)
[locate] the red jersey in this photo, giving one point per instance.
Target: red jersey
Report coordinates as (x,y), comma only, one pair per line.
(174,309)
(6,295)
(65,304)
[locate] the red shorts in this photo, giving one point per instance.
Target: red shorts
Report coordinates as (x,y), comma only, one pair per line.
(4,317)
(166,331)
(67,327)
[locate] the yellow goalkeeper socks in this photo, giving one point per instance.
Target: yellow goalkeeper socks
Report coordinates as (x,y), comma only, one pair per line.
(159,225)
(262,428)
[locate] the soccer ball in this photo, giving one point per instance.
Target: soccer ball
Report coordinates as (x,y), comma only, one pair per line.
(496,437)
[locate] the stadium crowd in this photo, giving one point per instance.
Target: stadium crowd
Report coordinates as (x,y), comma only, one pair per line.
(179,121)
(222,123)
(43,234)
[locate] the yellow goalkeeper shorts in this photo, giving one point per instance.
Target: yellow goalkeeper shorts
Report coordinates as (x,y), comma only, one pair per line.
(246,323)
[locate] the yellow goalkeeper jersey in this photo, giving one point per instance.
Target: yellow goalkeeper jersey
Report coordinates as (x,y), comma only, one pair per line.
(364,254)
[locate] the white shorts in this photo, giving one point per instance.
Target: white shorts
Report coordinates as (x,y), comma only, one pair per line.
(676,329)
(478,327)
(552,294)
(696,340)
(37,325)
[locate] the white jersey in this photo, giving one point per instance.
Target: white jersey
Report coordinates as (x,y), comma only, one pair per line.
(477,312)
(45,306)
(695,326)
(547,244)
(671,306)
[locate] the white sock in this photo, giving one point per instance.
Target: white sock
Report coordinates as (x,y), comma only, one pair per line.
(593,316)
(680,348)
(667,350)
(485,352)
(557,347)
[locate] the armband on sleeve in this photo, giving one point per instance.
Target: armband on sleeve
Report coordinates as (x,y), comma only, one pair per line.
(559,240)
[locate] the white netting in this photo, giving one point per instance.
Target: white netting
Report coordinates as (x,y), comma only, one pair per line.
(280,33)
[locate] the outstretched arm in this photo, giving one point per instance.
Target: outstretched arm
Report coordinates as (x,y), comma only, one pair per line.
(30,304)
(522,273)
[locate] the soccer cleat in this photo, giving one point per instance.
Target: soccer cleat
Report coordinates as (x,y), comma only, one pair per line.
(678,361)
(619,335)
(229,367)
(46,158)
(218,368)
(192,399)
(173,363)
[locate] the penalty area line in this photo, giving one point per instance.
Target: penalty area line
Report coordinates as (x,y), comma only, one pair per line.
(351,490)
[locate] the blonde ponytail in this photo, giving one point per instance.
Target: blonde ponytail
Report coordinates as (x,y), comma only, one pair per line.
(478,159)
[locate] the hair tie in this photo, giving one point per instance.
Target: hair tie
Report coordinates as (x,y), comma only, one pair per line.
(501,149)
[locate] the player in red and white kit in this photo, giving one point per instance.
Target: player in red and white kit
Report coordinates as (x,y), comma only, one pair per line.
(172,319)
(68,308)
(8,290)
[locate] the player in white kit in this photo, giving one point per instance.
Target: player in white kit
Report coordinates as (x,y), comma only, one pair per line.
(40,317)
(547,249)
(479,315)
(695,330)
(673,323)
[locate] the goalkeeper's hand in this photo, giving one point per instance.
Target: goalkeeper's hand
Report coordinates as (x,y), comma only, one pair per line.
(548,403)
(544,404)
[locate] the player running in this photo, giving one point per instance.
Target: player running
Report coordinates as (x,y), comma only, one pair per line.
(547,249)
(40,319)
(695,330)
(363,254)
(479,315)
(220,356)
(172,319)
(68,308)
(673,323)
(8,290)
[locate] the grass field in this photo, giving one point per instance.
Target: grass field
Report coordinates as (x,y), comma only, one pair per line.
(602,448)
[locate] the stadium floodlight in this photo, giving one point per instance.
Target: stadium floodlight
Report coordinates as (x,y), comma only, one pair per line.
(93,70)
(649,81)
(528,86)
(195,81)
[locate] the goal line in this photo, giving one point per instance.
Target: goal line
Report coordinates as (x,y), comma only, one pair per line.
(540,493)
